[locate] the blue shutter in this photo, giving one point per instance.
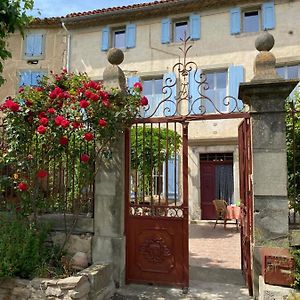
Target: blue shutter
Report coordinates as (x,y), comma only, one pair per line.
(130,35)
(235,20)
(36,77)
(169,88)
(194,95)
(195,27)
(173,178)
(165,31)
(29,45)
(25,78)
(105,39)
(38,44)
(268,15)
(235,77)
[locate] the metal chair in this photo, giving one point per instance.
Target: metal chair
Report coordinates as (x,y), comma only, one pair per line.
(221,210)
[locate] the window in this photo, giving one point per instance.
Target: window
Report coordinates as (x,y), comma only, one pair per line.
(290,72)
(30,77)
(181,31)
(216,91)
(252,19)
(34,46)
(118,37)
(152,89)
(177,30)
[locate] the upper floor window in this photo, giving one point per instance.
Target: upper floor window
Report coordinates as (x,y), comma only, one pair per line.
(177,30)
(181,31)
(252,19)
(124,37)
(34,46)
(30,77)
(119,38)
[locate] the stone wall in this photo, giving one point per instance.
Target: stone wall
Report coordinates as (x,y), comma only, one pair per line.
(94,283)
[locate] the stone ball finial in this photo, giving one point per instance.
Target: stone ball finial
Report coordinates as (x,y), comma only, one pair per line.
(115,56)
(264,42)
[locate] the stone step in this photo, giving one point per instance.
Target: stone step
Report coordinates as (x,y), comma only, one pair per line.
(221,275)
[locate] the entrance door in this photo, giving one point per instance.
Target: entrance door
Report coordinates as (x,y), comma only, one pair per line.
(216,181)
(157,204)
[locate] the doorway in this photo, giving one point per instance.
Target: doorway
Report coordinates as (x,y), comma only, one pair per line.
(216,181)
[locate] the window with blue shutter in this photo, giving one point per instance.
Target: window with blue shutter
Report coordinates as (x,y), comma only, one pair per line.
(105,39)
(195,27)
(235,20)
(30,78)
(235,77)
(130,36)
(170,94)
(171,178)
(268,15)
(194,92)
(34,45)
(165,31)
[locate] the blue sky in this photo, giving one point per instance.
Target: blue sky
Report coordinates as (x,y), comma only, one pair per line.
(57,8)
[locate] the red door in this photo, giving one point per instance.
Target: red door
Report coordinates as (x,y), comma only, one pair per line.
(207,177)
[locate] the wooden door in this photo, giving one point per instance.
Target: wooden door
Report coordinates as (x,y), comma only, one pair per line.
(207,178)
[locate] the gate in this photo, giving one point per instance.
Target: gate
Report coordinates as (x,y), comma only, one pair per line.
(156,175)
(245,165)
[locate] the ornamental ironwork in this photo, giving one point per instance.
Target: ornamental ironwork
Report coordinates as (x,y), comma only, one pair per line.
(181,102)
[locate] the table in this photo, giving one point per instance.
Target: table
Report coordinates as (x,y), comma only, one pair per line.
(233,212)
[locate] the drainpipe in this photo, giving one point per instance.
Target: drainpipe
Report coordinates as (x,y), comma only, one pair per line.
(68,52)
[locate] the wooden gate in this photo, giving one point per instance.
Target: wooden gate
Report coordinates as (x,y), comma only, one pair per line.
(245,165)
(157,211)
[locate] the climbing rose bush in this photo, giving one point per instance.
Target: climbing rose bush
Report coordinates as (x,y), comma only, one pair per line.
(67,114)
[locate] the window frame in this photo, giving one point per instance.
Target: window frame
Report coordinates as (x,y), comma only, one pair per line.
(113,36)
(35,57)
(177,21)
(259,14)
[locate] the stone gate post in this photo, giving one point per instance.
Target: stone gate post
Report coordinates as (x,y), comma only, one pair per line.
(109,241)
(265,94)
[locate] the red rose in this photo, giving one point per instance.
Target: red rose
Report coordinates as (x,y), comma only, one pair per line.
(11,105)
(94,97)
(84,104)
(64,70)
(104,96)
(144,101)
(21,90)
(28,103)
(65,123)
(138,86)
(75,124)
(44,121)
(42,174)
(53,95)
(63,140)
(41,129)
(22,186)
(39,89)
(58,120)
(102,122)
(51,110)
(84,158)
(88,136)
(41,115)
(88,94)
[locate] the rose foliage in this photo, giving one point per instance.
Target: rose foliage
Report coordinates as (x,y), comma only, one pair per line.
(67,122)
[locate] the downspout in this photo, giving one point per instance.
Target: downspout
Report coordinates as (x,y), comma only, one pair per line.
(68,52)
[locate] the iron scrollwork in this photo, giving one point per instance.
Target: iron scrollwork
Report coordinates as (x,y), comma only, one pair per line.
(180,102)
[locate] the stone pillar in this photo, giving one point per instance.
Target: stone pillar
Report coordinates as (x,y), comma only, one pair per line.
(109,240)
(265,95)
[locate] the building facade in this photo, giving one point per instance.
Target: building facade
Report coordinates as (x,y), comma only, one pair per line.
(222,35)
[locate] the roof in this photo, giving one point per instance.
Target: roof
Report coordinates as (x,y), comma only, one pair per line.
(119,8)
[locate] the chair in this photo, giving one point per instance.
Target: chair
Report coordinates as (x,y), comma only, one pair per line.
(221,210)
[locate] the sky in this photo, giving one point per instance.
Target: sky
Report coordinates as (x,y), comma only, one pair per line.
(57,8)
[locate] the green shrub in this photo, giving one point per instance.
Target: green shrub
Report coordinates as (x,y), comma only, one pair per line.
(23,248)
(296,255)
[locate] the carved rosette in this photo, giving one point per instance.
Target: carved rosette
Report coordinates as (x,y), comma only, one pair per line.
(155,250)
